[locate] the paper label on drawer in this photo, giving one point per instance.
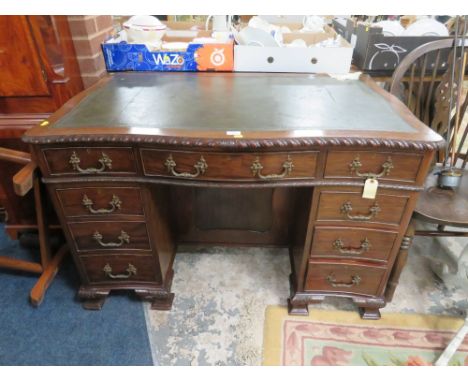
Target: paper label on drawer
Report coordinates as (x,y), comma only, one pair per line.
(370,188)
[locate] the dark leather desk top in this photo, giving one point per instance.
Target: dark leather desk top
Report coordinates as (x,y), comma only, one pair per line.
(216,105)
(240,102)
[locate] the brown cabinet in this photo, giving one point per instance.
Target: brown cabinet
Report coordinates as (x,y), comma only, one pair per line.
(39,67)
(39,72)
(22,72)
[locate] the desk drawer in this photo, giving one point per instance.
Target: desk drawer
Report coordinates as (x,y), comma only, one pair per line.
(355,243)
(391,166)
(110,236)
(235,166)
(347,278)
(120,268)
(100,201)
(90,161)
(349,206)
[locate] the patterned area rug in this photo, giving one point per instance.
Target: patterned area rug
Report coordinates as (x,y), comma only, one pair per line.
(221,295)
(337,338)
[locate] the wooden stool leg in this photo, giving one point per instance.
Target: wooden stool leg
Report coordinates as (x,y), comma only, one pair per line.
(39,290)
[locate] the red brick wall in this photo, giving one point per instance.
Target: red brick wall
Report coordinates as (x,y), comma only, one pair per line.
(88,33)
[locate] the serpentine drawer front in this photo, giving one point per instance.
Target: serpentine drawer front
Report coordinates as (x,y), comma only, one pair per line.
(90,161)
(385,166)
(349,206)
(120,268)
(111,236)
(220,166)
(142,163)
(100,201)
(348,278)
(352,243)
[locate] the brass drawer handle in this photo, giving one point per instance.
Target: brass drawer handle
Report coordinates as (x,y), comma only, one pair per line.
(356,164)
(131,271)
(105,162)
(346,209)
(115,203)
(339,246)
(257,169)
(200,168)
(355,280)
(123,238)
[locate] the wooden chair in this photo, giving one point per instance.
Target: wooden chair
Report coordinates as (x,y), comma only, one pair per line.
(433,103)
(25,180)
(430,100)
(417,78)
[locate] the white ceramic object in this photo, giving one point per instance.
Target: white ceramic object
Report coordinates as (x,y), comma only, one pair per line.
(153,46)
(222,37)
(390,28)
(256,37)
(175,46)
(328,43)
(426,27)
(221,23)
(283,19)
(144,29)
(313,24)
(275,30)
(205,40)
(181,33)
(297,43)
(259,23)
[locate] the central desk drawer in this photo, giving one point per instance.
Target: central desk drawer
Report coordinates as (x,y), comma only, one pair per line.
(100,201)
(391,166)
(120,268)
(90,161)
(111,236)
(234,166)
(348,278)
(356,243)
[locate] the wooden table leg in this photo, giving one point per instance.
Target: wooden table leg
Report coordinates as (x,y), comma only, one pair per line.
(39,290)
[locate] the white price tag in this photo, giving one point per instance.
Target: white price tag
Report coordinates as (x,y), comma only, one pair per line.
(370,188)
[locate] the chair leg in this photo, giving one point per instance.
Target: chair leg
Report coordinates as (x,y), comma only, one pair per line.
(399,263)
(49,263)
(39,290)
(42,224)
(20,265)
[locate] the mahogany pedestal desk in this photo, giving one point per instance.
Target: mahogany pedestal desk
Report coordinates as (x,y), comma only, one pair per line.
(144,161)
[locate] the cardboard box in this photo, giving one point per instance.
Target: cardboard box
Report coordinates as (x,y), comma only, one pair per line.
(377,54)
(345,28)
(333,60)
(122,56)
